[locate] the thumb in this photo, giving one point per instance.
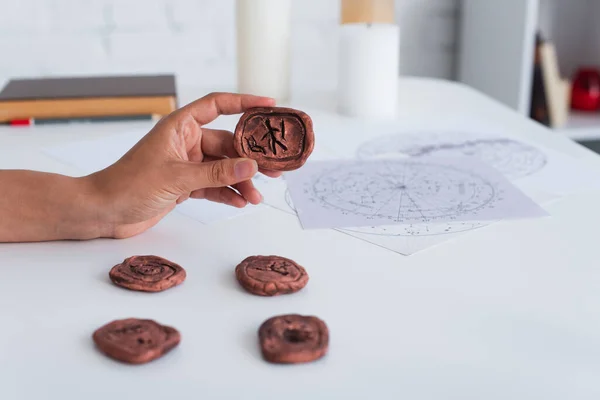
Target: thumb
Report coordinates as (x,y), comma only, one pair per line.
(224,172)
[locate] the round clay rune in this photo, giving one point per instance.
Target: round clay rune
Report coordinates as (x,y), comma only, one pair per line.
(293,338)
(270,275)
(279,139)
(147,274)
(135,341)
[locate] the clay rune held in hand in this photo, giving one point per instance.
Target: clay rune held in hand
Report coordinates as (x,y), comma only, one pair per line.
(279,139)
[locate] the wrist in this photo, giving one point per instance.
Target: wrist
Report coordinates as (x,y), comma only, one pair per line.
(88,218)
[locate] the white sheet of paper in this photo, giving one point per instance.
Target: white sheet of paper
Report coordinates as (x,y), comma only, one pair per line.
(355,193)
(409,239)
(89,156)
(545,175)
(562,175)
(93,155)
(527,164)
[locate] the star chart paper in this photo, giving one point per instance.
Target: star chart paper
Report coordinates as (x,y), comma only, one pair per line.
(356,193)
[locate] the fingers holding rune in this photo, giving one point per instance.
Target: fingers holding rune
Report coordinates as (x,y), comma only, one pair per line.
(218,143)
(209,107)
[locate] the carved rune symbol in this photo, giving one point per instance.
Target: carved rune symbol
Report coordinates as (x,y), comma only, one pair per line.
(280,269)
(254,147)
(272,138)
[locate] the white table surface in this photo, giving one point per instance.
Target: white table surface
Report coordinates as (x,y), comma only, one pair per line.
(511,311)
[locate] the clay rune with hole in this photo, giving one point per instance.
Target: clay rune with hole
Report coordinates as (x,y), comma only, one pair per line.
(293,338)
(147,274)
(278,138)
(135,341)
(270,275)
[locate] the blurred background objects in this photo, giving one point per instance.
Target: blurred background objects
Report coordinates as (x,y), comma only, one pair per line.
(196,39)
(538,57)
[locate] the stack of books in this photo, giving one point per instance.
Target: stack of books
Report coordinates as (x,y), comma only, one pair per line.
(29,101)
(551,94)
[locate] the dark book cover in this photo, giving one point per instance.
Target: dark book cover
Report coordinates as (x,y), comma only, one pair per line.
(539,110)
(89,87)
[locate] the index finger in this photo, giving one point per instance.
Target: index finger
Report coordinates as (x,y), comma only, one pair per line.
(209,107)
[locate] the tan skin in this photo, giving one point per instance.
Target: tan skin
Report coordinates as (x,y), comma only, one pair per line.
(177,160)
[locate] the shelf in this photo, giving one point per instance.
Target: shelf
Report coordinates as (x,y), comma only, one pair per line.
(582,126)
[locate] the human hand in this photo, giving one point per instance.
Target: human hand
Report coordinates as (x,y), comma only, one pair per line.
(178,159)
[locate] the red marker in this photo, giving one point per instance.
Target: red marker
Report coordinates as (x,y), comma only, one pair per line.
(21,122)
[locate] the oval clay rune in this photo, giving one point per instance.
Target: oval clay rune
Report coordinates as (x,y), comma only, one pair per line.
(135,341)
(278,138)
(270,275)
(293,338)
(147,274)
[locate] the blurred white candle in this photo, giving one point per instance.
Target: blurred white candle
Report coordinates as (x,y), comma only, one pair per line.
(369,64)
(263,47)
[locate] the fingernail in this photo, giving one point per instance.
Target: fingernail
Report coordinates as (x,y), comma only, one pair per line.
(245,169)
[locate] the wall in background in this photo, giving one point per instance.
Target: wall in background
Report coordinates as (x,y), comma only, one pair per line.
(196,39)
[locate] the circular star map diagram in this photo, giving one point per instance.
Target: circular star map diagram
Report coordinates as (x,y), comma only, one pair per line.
(402,191)
(512,158)
(419,229)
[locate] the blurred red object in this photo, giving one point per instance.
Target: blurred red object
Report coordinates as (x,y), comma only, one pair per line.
(585,92)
